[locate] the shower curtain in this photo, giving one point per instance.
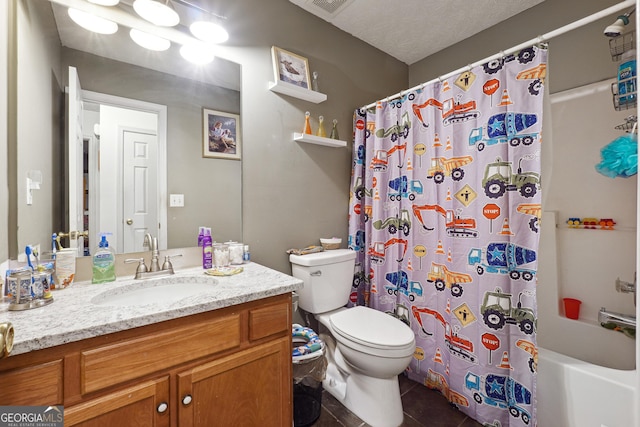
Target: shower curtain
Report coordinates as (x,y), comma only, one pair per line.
(444,214)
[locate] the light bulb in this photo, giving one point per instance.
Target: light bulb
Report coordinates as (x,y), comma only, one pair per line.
(209,32)
(157,13)
(197,53)
(105,2)
(149,41)
(92,22)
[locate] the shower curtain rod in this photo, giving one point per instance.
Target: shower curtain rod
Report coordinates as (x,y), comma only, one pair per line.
(540,39)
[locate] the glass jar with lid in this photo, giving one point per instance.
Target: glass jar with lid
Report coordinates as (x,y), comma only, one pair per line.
(236,252)
(220,255)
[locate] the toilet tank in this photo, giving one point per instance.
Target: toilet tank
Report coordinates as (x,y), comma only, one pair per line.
(327,277)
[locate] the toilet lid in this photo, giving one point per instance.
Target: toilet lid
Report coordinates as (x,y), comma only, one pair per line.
(371,328)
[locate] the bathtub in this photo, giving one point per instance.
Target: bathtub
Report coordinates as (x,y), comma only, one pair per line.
(587,375)
(575,393)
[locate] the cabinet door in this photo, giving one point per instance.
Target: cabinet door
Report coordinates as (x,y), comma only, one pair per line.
(249,388)
(141,405)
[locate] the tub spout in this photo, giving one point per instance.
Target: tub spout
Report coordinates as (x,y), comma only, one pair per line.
(618,319)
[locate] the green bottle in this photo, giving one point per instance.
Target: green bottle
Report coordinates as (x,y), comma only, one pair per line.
(104,263)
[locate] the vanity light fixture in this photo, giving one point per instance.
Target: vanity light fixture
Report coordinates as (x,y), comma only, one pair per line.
(105,2)
(197,53)
(149,41)
(209,32)
(92,22)
(160,13)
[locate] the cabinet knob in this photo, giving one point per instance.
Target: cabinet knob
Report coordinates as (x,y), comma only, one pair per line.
(162,407)
(129,221)
(187,400)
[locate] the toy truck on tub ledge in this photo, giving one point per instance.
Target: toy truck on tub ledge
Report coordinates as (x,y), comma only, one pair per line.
(503,258)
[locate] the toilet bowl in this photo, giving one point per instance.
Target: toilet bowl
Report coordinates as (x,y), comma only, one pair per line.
(373,342)
(366,349)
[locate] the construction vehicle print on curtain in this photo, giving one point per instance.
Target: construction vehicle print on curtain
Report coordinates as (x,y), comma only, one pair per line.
(444,213)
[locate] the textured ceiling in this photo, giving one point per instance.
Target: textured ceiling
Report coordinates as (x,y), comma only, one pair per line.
(410,30)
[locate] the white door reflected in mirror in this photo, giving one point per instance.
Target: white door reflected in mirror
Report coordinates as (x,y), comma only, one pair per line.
(115,176)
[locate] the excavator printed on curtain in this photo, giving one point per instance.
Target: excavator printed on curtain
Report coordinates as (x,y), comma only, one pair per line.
(445,216)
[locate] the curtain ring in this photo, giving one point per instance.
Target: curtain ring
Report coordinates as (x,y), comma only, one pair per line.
(541,42)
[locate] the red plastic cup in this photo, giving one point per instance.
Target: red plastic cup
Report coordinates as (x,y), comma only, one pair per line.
(572,308)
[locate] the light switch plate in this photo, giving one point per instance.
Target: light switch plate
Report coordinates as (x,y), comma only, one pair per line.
(176,200)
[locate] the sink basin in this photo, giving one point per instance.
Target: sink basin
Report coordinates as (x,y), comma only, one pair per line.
(155,292)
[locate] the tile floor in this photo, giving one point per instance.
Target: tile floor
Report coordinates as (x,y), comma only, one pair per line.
(422,408)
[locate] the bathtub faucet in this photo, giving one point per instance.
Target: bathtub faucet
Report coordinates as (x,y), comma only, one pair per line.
(619,319)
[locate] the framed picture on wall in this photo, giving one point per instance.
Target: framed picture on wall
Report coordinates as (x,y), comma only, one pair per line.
(290,68)
(221,135)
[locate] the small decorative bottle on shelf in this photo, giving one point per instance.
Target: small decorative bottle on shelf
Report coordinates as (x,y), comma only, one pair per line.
(314,81)
(334,130)
(307,123)
(321,131)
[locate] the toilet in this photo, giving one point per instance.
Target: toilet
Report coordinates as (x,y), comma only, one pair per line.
(366,349)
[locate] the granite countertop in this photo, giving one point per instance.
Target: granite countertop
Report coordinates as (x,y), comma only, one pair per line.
(76,312)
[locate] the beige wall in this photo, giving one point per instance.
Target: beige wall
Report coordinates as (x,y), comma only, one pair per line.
(294,193)
(576,58)
(4,184)
(39,131)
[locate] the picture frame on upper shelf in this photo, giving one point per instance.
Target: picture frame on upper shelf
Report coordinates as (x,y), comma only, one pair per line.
(290,68)
(221,135)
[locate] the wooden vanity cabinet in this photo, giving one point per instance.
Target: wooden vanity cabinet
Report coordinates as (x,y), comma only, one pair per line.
(226,367)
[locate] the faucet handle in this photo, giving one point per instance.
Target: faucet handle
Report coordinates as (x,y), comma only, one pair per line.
(142,267)
(625,287)
(167,262)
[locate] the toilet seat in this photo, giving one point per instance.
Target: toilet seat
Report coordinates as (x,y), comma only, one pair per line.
(311,345)
(373,332)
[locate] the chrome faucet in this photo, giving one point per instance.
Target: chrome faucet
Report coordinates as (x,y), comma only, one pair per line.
(154,270)
(619,319)
(152,244)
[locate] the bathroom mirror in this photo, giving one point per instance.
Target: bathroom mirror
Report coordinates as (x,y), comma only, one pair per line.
(114,68)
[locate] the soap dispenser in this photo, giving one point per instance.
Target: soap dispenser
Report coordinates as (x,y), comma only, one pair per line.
(104,263)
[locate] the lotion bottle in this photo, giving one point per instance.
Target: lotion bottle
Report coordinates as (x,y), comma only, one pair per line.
(207,249)
(200,235)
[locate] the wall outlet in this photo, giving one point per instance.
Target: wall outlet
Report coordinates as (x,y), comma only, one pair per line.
(176,200)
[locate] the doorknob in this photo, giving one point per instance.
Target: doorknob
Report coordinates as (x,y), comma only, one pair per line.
(129,221)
